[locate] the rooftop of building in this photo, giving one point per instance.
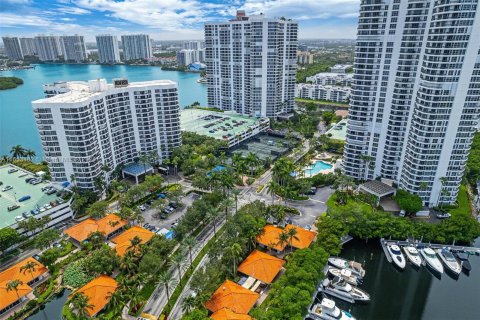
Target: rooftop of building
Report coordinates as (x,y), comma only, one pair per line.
(215,124)
(10,296)
(19,189)
(338,130)
(227,314)
(261,266)
(332,75)
(123,242)
(107,225)
(98,291)
(232,296)
(271,234)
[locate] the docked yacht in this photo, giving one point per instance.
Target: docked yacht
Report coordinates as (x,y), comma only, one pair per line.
(397,256)
(327,310)
(413,255)
(432,261)
(345,274)
(449,261)
(462,256)
(353,266)
(341,289)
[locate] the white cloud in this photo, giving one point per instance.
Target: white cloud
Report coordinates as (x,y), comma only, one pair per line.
(72,10)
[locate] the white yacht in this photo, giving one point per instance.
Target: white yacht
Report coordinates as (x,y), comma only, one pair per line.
(413,255)
(449,260)
(345,274)
(341,289)
(353,266)
(327,310)
(432,261)
(397,256)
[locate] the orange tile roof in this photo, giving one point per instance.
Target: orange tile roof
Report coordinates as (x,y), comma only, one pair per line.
(227,314)
(232,296)
(261,266)
(123,240)
(98,292)
(15,272)
(9,297)
(271,234)
(106,225)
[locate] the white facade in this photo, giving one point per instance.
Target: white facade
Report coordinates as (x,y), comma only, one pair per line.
(28,46)
(136,47)
(329,78)
(12,48)
(415,96)
(85,125)
(194,45)
(107,46)
(186,57)
(251,65)
(304,57)
(48,47)
(321,92)
(73,48)
(340,68)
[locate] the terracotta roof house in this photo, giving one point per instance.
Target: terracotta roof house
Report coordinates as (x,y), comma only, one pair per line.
(261,266)
(270,236)
(232,296)
(123,243)
(29,278)
(98,292)
(109,225)
(227,314)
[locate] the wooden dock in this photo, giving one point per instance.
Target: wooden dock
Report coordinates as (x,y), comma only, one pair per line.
(415,243)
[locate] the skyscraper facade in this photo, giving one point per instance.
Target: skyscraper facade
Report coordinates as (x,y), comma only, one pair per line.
(136,47)
(86,125)
(28,46)
(48,47)
(186,57)
(415,95)
(12,48)
(251,64)
(73,48)
(107,46)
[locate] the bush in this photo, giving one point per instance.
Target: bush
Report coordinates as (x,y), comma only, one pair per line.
(411,203)
(250,180)
(320,180)
(75,275)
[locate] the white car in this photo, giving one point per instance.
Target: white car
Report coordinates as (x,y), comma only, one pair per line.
(7,188)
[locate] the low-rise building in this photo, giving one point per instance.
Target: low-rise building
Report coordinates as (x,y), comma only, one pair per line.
(304,57)
(270,237)
(123,241)
(334,79)
(322,92)
(98,291)
(261,266)
(110,225)
(233,297)
(340,68)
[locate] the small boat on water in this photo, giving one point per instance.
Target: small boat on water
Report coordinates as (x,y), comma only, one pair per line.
(462,256)
(327,310)
(413,255)
(397,256)
(341,289)
(345,274)
(449,261)
(353,266)
(432,261)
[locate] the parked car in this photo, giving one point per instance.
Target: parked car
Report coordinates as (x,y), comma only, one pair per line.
(163,217)
(173,205)
(174,224)
(36,257)
(312,191)
(443,215)
(146,225)
(7,188)
(142,207)
(402,213)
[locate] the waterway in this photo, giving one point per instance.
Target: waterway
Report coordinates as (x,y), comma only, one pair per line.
(52,309)
(411,294)
(17,125)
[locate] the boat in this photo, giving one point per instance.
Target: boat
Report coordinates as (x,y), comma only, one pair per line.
(397,256)
(413,255)
(345,274)
(353,266)
(327,310)
(432,261)
(462,256)
(341,289)
(449,260)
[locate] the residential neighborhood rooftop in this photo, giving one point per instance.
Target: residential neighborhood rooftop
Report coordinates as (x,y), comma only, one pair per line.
(232,296)
(261,266)
(227,314)
(106,225)
(271,234)
(123,243)
(98,292)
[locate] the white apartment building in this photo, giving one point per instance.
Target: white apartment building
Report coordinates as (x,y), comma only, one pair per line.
(48,47)
(73,48)
(186,57)
(194,45)
(321,92)
(28,46)
(415,98)
(329,78)
(12,48)
(340,68)
(304,57)
(137,47)
(251,64)
(107,46)
(86,125)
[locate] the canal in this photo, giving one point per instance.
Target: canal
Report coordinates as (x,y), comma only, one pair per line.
(411,294)
(52,309)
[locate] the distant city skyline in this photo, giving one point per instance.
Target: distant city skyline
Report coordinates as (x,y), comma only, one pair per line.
(172,20)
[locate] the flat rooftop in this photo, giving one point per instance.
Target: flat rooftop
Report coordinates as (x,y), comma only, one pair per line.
(19,189)
(214,124)
(338,130)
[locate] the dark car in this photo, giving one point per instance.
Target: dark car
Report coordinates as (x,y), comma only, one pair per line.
(312,191)
(36,257)
(173,205)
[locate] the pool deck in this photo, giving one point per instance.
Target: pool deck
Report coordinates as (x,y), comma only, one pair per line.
(20,188)
(323,171)
(338,130)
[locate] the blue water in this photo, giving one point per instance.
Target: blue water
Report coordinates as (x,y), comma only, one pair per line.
(17,124)
(52,309)
(318,166)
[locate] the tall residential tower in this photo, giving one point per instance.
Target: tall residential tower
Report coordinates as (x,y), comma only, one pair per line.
(415,99)
(73,48)
(107,46)
(251,64)
(48,47)
(13,48)
(136,47)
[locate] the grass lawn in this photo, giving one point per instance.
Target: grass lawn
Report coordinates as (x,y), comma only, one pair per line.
(322,102)
(463,201)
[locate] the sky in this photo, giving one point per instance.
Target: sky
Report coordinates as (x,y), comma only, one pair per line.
(169,19)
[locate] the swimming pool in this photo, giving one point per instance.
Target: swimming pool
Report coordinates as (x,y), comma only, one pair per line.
(317,167)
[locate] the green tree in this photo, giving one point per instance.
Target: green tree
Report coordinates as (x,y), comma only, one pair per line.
(17,152)
(190,243)
(48,257)
(235,250)
(29,267)
(96,239)
(46,238)
(81,305)
(167,282)
(292,234)
(283,239)
(411,203)
(97,209)
(188,304)
(13,285)
(176,261)
(102,261)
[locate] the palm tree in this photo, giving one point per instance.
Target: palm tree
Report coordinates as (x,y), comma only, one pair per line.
(30,154)
(5,159)
(235,194)
(211,215)
(443,181)
(167,282)
(225,205)
(134,246)
(129,263)
(13,285)
(116,300)
(272,189)
(188,304)
(189,243)
(176,261)
(252,161)
(235,250)
(30,266)
(283,238)
(292,234)
(17,151)
(81,304)
(366,159)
